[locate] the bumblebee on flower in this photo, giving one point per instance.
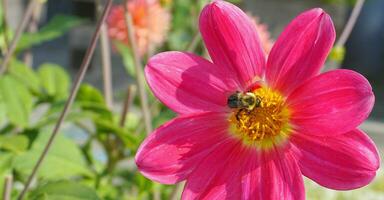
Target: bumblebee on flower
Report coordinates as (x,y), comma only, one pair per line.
(251,125)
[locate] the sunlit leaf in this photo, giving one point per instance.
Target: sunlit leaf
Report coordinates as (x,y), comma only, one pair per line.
(55,80)
(14,143)
(90,99)
(64,190)
(76,114)
(105,126)
(88,93)
(235,1)
(24,74)
(3,111)
(63,161)
(17,100)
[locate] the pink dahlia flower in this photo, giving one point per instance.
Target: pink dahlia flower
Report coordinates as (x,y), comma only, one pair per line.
(249,128)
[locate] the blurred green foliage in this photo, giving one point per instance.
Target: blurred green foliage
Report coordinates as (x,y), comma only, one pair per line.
(346,2)
(64,190)
(32,101)
(59,25)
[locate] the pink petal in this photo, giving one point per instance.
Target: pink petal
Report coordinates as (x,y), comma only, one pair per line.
(343,162)
(172,151)
(217,176)
(187,83)
(331,103)
(235,172)
(274,175)
(300,51)
(232,41)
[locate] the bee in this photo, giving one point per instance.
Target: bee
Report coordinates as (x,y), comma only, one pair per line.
(241,100)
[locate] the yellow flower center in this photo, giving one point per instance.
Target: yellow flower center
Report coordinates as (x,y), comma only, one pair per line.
(264,125)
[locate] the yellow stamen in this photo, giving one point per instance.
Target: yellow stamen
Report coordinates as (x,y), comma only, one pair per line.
(264,126)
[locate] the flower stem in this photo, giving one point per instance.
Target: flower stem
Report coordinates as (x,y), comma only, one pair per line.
(105,59)
(32,28)
(71,98)
(175,192)
(7,187)
(5,24)
(20,29)
(127,104)
(350,23)
(194,42)
(139,71)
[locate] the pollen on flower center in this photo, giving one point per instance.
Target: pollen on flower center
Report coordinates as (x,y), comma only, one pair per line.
(265,124)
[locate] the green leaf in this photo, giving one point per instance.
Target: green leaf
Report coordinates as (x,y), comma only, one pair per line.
(55,81)
(132,120)
(235,1)
(350,3)
(5,162)
(25,75)
(91,99)
(79,111)
(3,111)
(1,15)
(64,190)
(53,115)
(96,110)
(183,30)
(88,93)
(14,143)
(57,27)
(3,37)
(128,61)
(105,126)
(63,161)
(164,116)
(17,100)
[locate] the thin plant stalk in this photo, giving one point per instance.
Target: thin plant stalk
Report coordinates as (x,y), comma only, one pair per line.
(5,24)
(176,191)
(7,190)
(194,42)
(105,47)
(346,33)
(127,104)
(350,23)
(20,29)
(32,28)
(140,81)
(111,141)
(154,110)
(139,72)
(71,98)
